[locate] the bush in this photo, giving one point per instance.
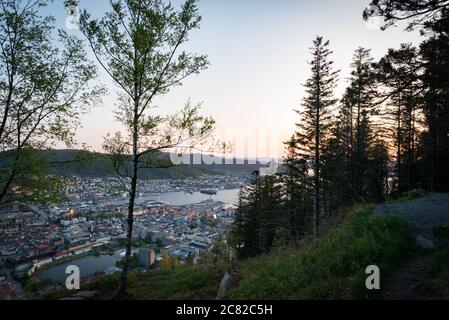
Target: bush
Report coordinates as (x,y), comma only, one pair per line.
(441,232)
(407,196)
(438,274)
(330,267)
(184,282)
(36,285)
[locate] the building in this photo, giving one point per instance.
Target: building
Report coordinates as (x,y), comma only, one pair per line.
(7,291)
(147,257)
(184,252)
(25,267)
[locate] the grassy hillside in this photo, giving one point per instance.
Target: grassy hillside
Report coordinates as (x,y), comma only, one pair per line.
(330,267)
(437,274)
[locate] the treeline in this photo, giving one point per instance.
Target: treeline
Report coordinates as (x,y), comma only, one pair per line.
(388,134)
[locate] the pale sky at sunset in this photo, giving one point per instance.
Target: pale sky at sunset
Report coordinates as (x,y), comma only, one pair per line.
(258,50)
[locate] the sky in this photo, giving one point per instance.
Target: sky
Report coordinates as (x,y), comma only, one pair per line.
(258,50)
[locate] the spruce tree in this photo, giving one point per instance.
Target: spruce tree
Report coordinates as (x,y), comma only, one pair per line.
(398,74)
(313,128)
(297,193)
(258,216)
(435,139)
(356,113)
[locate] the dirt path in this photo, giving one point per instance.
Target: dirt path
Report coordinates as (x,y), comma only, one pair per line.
(407,283)
(423,214)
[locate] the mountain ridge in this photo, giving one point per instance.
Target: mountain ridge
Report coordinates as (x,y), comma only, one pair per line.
(71,162)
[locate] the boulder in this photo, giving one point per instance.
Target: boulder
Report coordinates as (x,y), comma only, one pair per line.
(230,280)
(82,295)
(86,294)
(424,242)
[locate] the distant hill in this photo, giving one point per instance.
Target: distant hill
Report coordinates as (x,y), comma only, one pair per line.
(68,163)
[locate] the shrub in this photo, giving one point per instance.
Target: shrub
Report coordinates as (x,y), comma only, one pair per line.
(438,274)
(407,196)
(441,232)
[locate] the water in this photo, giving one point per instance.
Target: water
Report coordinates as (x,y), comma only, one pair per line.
(88,266)
(179,198)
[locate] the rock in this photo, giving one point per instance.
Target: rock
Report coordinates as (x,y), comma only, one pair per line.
(230,280)
(225,285)
(424,242)
(82,295)
(86,294)
(73,299)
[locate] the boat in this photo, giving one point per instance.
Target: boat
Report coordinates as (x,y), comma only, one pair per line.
(209,191)
(111,270)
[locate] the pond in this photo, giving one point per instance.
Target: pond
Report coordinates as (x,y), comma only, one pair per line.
(88,265)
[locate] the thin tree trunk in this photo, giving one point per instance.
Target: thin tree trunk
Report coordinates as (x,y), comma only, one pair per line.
(316,208)
(399,146)
(10,180)
(432,167)
(8,183)
(357,156)
(124,275)
(121,293)
(9,96)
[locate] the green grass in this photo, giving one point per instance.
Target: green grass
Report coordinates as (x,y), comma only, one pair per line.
(438,274)
(331,267)
(181,283)
(407,196)
(441,232)
(185,282)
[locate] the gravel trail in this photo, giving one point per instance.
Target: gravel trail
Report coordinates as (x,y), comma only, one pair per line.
(422,214)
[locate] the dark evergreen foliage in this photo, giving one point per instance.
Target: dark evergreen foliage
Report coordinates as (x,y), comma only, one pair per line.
(388,135)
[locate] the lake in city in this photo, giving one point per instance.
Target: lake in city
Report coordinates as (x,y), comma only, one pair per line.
(88,265)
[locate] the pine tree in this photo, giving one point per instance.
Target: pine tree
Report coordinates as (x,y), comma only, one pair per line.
(296,190)
(398,74)
(415,12)
(356,112)
(313,129)
(246,222)
(258,216)
(435,139)
(335,184)
(346,129)
(432,149)
(377,175)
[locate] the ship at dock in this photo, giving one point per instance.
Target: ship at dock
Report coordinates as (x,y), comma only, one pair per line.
(209,191)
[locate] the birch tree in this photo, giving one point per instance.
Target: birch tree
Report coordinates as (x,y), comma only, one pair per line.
(139,44)
(45,85)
